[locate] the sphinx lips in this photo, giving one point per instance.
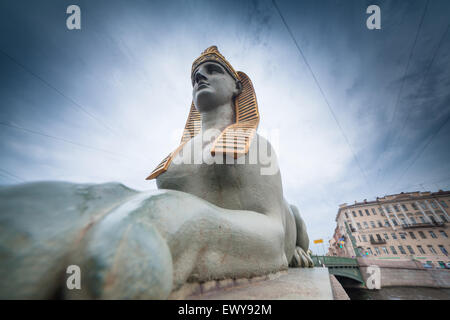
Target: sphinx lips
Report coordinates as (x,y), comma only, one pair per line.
(202,85)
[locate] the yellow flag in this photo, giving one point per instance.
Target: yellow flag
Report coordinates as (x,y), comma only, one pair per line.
(318,241)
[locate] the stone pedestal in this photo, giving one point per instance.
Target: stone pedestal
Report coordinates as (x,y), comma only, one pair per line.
(295,284)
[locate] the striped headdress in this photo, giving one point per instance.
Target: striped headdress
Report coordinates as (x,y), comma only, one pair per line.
(235,139)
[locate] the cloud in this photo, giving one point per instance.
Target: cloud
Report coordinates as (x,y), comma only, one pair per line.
(129,70)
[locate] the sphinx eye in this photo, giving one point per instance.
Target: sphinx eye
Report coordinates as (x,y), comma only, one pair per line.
(212,68)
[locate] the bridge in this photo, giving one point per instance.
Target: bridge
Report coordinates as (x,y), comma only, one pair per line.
(340,266)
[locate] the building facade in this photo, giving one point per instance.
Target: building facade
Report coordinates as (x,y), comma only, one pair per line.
(412,225)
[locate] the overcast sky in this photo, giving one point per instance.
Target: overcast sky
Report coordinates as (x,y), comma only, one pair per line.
(109,102)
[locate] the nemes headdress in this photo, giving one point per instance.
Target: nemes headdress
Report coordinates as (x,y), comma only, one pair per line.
(235,139)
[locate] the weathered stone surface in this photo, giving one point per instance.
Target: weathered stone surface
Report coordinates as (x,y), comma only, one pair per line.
(129,245)
(40,224)
(337,289)
(406,273)
(296,284)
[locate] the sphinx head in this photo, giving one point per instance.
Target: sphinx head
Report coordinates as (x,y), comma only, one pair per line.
(214,81)
(213,86)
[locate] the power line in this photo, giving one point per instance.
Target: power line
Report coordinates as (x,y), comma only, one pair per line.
(423,182)
(422,150)
(387,146)
(7,173)
(81,108)
(321,92)
(4,176)
(62,139)
(425,76)
(77,105)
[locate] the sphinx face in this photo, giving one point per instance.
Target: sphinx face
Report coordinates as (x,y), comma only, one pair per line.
(213,86)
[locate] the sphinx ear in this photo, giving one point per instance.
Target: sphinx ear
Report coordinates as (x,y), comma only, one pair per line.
(238,88)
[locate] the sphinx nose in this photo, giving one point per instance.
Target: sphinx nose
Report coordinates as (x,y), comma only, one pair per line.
(199,76)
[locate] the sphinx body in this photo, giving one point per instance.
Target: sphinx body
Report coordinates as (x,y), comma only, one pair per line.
(207,220)
(238,184)
(127,244)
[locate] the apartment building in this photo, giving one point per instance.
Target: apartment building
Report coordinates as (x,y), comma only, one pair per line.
(413,225)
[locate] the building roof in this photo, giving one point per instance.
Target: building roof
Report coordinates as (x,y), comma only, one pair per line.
(415,195)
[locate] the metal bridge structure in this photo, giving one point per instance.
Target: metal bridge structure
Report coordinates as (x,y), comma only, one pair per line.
(340,266)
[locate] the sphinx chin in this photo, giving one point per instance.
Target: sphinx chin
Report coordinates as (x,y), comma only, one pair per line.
(205,100)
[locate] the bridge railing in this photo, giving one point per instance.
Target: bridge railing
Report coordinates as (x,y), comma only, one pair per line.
(340,266)
(331,261)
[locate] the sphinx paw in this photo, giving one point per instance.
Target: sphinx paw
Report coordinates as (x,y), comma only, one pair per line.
(301,259)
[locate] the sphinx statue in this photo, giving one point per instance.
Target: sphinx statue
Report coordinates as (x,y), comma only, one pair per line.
(218,213)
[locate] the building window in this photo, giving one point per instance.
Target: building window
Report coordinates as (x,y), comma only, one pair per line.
(380,224)
(422,235)
(385,250)
(354,214)
(396,208)
(377,251)
(386,223)
(372,224)
(364,237)
(371,238)
(423,205)
(430,247)
(433,204)
(412,220)
(359,239)
(360,250)
(432,219)
(367,212)
(358,225)
(402,235)
(404,207)
(443,218)
(394,236)
(413,236)
(414,206)
(374,212)
(394,222)
(386,236)
(432,234)
(402,251)
(404,221)
(346,215)
(366,226)
(422,219)
(410,249)
(369,251)
(388,209)
(443,250)
(421,249)
(360,213)
(443,204)
(442,232)
(393,250)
